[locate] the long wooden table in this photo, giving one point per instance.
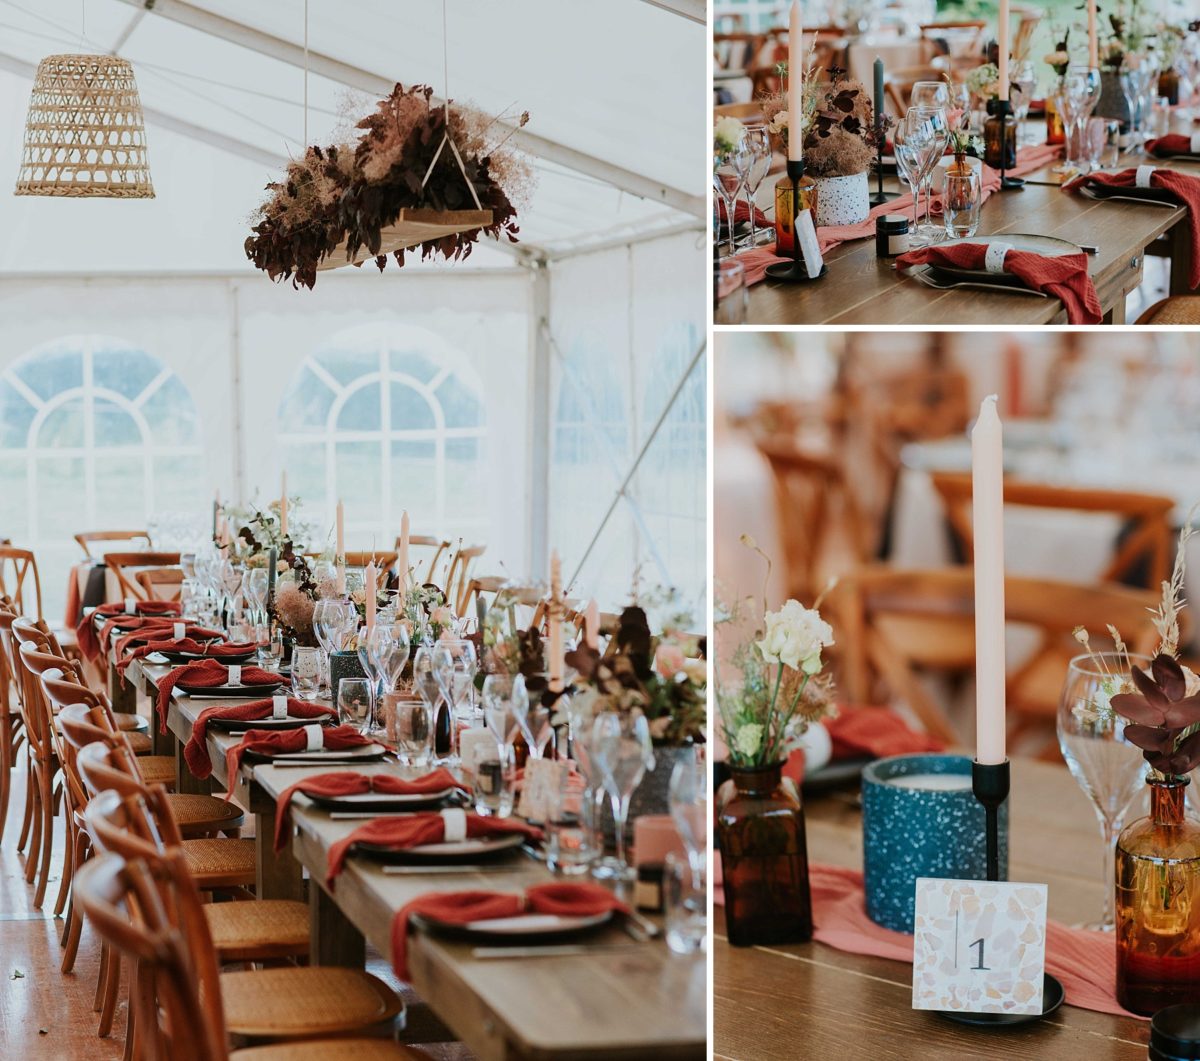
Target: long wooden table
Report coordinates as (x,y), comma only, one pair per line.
(624,999)
(861,288)
(809,1000)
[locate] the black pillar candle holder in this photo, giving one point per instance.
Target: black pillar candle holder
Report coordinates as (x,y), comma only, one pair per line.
(990,784)
(880,197)
(1001,109)
(794,271)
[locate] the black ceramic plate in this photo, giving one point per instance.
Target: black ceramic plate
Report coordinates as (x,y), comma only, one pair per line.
(534,928)
(231,724)
(382,801)
(462,851)
(1149,195)
(191,657)
(230,692)
(368,753)
(1052,997)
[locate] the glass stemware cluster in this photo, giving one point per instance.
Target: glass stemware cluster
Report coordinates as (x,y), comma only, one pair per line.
(1078,94)
(920,139)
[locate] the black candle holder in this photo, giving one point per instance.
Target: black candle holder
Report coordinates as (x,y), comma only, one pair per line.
(1002,109)
(794,271)
(990,784)
(880,197)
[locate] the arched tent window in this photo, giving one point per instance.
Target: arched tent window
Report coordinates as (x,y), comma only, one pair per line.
(94,433)
(388,418)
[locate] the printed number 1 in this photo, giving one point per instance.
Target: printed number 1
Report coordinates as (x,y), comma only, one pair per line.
(980,967)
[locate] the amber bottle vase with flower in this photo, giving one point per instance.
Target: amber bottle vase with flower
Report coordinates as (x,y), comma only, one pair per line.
(1158,857)
(764,857)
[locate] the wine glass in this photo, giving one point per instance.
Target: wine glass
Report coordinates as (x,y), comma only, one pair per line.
(1108,768)
(355,703)
(1077,98)
(620,748)
(454,661)
(758,140)
(908,164)
(504,700)
(430,688)
(388,647)
(688,797)
(729,178)
(933,94)
(1022,86)
(927,124)
(533,718)
(255,581)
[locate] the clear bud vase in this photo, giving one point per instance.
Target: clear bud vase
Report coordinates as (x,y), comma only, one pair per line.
(1158,904)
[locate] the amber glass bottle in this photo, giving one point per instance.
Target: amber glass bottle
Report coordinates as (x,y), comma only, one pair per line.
(1158,904)
(764,858)
(1000,135)
(783,209)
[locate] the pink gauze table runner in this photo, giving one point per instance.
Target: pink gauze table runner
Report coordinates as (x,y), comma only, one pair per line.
(1084,962)
(756,261)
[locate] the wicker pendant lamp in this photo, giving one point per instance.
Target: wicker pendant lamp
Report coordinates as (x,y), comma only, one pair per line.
(85,134)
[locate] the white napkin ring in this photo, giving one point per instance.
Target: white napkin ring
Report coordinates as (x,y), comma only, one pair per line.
(454,824)
(1196,143)
(279,707)
(180,631)
(130,606)
(234,674)
(1144,173)
(993,258)
(315,737)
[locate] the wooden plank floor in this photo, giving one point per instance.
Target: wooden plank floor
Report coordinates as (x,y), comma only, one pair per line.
(47,1016)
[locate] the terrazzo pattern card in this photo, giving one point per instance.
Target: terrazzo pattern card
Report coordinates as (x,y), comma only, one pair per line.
(979,946)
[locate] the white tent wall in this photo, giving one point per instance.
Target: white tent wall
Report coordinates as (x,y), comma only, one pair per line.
(626,323)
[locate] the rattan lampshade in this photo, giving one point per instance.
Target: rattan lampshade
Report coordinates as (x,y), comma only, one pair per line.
(85,135)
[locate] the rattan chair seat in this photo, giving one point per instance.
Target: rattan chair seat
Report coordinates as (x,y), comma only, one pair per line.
(157,769)
(128,723)
(220,863)
(259,929)
(196,815)
(303,1002)
(331,1050)
(139,743)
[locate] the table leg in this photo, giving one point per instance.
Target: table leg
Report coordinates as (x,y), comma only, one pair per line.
(278,874)
(121,694)
(1180,237)
(335,940)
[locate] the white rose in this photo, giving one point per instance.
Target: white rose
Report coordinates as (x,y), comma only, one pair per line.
(728,133)
(795,636)
(748,739)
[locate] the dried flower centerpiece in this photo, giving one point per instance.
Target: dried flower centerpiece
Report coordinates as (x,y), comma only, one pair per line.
(421,174)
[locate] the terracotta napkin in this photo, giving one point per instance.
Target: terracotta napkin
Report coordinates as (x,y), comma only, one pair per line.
(85,629)
(348,783)
(741,213)
(185,644)
(460,908)
(875,731)
(158,630)
(1185,188)
(207,673)
(1066,278)
(415,830)
(1169,145)
(1084,961)
(282,741)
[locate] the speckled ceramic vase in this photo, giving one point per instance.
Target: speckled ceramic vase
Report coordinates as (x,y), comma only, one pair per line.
(920,819)
(843,200)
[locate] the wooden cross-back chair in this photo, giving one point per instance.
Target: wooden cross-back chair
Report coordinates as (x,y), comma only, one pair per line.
(736,50)
(127,584)
(459,574)
(161,583)
(384,561)
(86,539)
(18,574)
(148,911)
(12,727)
(533,602)
(1143,550)
(436,548)
(898,84)
(893,626)
(818,516)
(959,39)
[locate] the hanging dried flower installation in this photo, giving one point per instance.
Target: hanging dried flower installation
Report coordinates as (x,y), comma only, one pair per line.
(433,177)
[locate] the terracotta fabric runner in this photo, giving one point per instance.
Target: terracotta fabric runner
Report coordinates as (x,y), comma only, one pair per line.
(460,908)
(415,830)
(1085,962)
(756,261)
(1185,188)
(1065,277)
(282,741)
(207,673)
(348,783)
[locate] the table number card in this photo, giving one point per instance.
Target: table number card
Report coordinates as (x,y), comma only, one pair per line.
(979,946)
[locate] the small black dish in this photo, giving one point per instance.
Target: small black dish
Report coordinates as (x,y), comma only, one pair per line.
(1175,1033)
(1053,996)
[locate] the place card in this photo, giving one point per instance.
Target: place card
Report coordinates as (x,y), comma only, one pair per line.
(279,707)
(809,247)
(180,631)
(979,946)
(235,674)
(542,781)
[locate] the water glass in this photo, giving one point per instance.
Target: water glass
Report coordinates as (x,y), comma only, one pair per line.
(269,644)
(1110,142)
(731,296)
(414,732)
(355,702)
(306,672)
(495,777)
(685,895)
(569,844)
(962,198)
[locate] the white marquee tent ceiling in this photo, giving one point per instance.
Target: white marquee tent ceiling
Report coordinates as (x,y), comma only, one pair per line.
(614,90)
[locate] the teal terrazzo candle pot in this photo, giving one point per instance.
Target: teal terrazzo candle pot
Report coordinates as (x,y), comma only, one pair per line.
(920,819)
(343,665)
